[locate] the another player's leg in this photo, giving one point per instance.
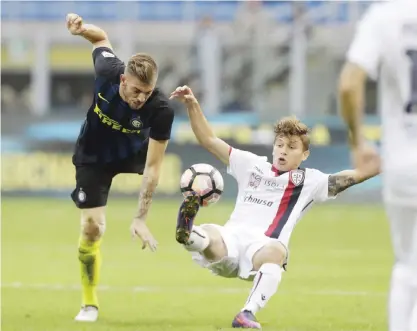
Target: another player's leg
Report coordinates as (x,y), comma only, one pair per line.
(413,322)
(185,220)
(403,290)
(268,262)
(92,229)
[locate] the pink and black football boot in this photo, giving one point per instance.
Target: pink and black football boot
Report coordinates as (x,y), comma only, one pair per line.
(186,215)
(246,320)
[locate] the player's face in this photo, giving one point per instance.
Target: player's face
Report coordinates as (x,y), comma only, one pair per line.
(135,92)
(288,153)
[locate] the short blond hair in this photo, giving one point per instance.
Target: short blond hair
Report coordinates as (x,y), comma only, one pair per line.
(292,126)
(144,67)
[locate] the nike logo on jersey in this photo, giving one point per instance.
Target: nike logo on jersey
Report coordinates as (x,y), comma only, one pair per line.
(102,98)
(107,54)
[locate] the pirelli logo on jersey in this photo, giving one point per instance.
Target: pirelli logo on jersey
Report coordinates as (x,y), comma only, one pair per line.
(112,123)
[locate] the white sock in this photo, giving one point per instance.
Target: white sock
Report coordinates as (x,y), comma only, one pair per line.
(401,298)
(264,287)
(198,241)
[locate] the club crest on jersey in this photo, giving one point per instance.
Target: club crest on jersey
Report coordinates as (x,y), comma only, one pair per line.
(136,122)
(297,176)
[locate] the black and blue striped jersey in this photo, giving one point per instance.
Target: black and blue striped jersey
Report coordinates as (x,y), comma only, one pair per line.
(112,131)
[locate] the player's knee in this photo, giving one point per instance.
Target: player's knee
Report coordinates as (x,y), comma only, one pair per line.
(93,223)
(274,253)
(216,248)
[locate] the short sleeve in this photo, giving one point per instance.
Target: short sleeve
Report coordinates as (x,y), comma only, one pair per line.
(240,162)
(161,124)
(321,192)
(366,48)
(107,64)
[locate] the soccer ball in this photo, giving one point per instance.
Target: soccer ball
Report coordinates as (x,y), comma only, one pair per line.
(205,180)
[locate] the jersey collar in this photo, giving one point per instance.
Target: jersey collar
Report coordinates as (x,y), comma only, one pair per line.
(279,173)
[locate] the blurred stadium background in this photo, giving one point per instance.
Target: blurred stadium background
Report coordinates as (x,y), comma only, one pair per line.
(250,63)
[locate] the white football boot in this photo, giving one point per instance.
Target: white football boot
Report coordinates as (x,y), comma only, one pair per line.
(87,314)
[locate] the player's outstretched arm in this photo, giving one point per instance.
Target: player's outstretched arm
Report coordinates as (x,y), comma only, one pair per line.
(342,180)
(92,33)
(200,126)
(150,179)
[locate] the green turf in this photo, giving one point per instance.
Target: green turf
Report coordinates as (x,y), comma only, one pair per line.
(337,279)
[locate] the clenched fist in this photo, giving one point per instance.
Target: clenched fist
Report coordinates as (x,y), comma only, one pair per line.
(75,24)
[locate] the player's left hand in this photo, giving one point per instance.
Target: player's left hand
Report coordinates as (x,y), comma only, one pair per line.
(139,229)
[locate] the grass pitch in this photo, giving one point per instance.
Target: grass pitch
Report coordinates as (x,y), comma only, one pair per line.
(337,278)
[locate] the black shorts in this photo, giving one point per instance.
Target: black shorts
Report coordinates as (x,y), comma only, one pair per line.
(93,181)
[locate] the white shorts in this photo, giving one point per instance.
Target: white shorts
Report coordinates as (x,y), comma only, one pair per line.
(242,244)
(403,221)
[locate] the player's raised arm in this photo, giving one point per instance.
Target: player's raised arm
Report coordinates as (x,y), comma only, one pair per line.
(106,64)
(200,126)
(92,33)
(342,180)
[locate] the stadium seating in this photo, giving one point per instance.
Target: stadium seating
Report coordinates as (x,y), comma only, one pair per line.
(321,12)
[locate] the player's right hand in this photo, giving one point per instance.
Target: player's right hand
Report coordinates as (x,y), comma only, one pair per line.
(183,94)
(75,24)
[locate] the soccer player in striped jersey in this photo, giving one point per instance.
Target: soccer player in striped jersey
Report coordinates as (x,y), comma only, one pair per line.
(272,197)
(126,130)
(384,49)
